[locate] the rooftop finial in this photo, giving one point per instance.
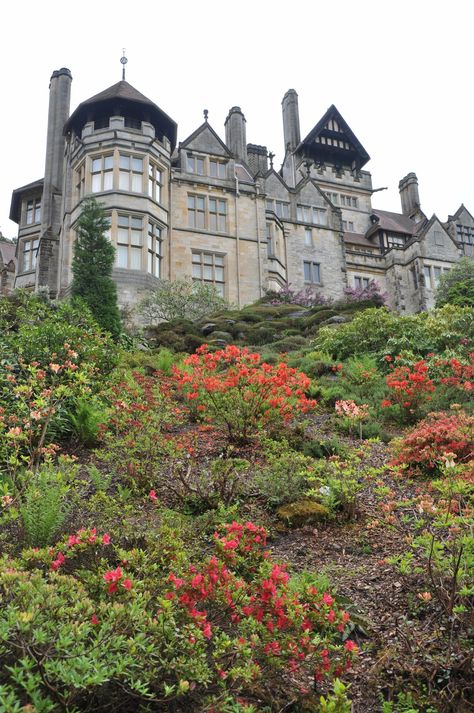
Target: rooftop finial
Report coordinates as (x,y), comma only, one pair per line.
(271,156)
(124,61)
(206,114)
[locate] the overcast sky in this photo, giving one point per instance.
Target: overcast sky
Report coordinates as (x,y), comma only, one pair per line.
(399,72)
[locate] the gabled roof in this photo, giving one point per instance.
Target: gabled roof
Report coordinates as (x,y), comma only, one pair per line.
(118,98)
(15,205)
(205,128)
(429,224)
(393,223)
(325,142)
(459,212)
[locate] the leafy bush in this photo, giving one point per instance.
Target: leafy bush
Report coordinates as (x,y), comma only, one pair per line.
(363,294)
(87,418)
(308,297)
(457,286)
(283,476)
(182,639)
(36,329)
(379,332)
(181,299)
(421,449)
(234,390)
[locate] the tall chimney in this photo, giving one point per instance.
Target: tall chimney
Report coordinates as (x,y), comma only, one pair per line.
(291,119)
(409,197)
(257,158)
(235,136)
(59,100)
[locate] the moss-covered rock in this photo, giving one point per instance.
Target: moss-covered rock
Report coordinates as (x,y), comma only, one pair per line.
(302,512)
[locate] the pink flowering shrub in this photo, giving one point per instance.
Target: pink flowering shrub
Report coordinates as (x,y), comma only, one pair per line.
(183,634)
(232,389)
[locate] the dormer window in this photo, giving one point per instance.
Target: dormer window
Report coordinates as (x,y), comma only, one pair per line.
(33,211)
(195,164)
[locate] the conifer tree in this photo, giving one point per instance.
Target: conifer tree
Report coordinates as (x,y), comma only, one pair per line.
(92,267)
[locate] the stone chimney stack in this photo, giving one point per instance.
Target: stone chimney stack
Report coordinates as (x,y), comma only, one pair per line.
(235,136)
(257,158)
(58,114)
(409,197)
(47,268)
(291,120)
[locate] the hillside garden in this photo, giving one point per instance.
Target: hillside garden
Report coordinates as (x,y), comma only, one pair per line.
(266,510)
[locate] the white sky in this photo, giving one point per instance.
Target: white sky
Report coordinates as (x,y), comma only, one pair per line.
(399,71)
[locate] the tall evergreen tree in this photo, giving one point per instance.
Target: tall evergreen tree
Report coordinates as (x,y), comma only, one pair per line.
(92,267)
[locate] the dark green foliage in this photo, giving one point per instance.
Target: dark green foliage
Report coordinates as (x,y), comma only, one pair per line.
(92,267)
(457,286)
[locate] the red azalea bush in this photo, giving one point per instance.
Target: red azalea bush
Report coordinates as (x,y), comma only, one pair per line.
(232,388)
(422,449)
(137,626)
(415,386)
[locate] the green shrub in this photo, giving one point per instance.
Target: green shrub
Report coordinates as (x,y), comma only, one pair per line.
(283,477)
(87,417)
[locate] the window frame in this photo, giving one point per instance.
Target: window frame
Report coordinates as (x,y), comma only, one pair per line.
(155,181)
(104,174)
(202,216)
(311,214)
(133,175)
(29,248)
(313,269)
(213,260)
(132,248)
(33,214)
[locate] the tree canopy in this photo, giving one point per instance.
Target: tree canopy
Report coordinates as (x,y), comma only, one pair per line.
(456,287)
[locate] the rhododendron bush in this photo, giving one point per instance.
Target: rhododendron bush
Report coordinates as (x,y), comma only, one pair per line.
(139,628)
(423,447)
(233,389)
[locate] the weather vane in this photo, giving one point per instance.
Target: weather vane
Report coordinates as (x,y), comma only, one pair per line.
(124,61)
(206,114)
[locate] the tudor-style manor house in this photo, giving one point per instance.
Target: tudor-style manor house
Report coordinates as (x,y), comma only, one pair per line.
(219,212)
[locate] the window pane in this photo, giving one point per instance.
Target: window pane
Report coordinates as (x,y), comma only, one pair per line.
(136,237)
(307,271)
(218,259)
(122,235)
(191,201)
(212,221)
(219,289)
(200,203)
(136,223)
(124,181)
(200,166)
(124,162)
(200,220)
(219,274)
(96,164)
(212,205)
(221,167)
(96,183)
(196,257)
(213,168)
(316,273)
(136,259)
(123,221)
(221,223)
(190,164)
(150,262)
(137,164)
(122,256)
(108,163)
(196,271)
(108,181)
(137,183)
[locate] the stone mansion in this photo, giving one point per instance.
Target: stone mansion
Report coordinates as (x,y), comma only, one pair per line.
(219,211)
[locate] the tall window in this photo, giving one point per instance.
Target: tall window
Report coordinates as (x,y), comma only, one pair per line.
(348,225)
(129,242)
(155,182)
(437,275)
(311,214)
(196,165)
(217,169)
(280,208)
(270,240)
(33,211)
(427,273)
(308,237)
(209,268)
(81,179)
(29,254)
(102,174)
(154,249)
(312,272)
(207,213)
(217,214)
(196,211)
(131,173)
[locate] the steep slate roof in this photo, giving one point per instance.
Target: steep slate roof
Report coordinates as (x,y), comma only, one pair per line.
(123,93)
(15,205)
(333,113)
(359,239)
(393,223)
